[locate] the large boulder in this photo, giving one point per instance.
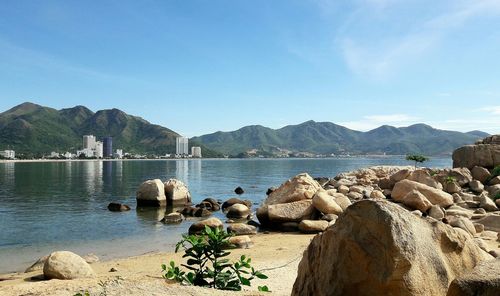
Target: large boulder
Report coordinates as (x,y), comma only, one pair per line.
(151,193)
(313,226)
(435,196)
(241,229)
(298,188)
(484,154)
(379,248)
(291,212)
(417,201)
(325,203)
(484,280)
(234,200)
(66,265)
(238,211)
(177,192)
(423,176)
(481,174)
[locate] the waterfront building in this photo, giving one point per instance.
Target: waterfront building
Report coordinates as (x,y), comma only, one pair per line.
(98,149)
(108,147)
(196,152)
(119,153)
(87,152)
(54,154)
(89,142)
(10,154)
(181,146)
(68,155)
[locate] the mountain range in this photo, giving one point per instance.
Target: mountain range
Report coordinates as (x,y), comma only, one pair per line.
(327,138)
(33,129)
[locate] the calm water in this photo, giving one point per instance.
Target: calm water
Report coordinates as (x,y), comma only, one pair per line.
(62,205)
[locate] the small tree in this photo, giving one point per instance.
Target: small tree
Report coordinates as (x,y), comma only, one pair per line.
(417,158)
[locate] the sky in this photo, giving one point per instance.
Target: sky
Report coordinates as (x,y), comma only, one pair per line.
(198,67)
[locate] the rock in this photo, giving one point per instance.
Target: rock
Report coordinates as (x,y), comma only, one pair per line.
(202,213)
(177,192)
(476,186)
(357,189)
(198,227)
(313,226)
(458,211)
(386,183)
(487,203)
(91,258)
(483,280)
(417,213)
(480,174)
(215,206)
(239,190)
(491,222)
(379,248)
(241,242)
(254,223)
(497,202)
(436,212)
(399,176)
(343,201)
(493,190)
(325,203)
(462,175)
(479,227)
(38,265)
(494,181)
(65,265)
(151,193)
(173,218)
(291,212)
(435,196)
(355,195)
(480,211)
(343,189)
(463,223)
(113,270)
(232,201)
(422,176)
(270,190)
(344,182)
(417,200)
(300,187)
(329,217)
(189,211)
(288,227)
(241,229)
(118,207)
(483,155)
(452,187)
(377,194)
(238,211)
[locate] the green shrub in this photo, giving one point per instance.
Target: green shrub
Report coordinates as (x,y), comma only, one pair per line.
(495,172)
(208,266)
(450,179)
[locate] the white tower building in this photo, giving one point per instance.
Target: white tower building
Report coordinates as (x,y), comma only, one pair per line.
(182,146)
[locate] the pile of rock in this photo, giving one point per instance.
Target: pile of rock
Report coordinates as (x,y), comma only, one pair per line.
(485,153)
(158,194)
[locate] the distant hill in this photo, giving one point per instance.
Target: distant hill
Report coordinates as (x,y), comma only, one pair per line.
(326,138)
(31,128)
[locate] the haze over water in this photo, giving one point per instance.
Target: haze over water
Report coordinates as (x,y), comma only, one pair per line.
(62,205)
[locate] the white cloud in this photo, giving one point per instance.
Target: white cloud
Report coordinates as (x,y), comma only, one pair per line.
(373,121)
(382,58)
(495,110)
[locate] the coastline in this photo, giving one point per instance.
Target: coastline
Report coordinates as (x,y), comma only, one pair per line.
(141,275)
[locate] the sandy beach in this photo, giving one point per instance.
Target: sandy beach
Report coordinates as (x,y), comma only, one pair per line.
(277,254)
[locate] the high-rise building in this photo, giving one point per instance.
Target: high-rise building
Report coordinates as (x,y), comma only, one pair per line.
(108,147)
(182,146)
(99,149)
(89,142)
(196,152)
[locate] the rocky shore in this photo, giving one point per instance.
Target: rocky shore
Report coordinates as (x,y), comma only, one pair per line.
(380,231)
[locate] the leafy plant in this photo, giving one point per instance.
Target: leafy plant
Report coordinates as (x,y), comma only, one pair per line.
(84,293)
(208,266)
(450,180)
(495,172)
(417,158)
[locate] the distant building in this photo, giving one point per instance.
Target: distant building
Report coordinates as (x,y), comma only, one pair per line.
(89,142)
(10,154)
(108,147)
(68,155)
(182,146)
(98,150)
(54,154)
(196,152)
(119,153)
(87,152)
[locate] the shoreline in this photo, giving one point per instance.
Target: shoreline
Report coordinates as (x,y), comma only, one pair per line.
(280,253)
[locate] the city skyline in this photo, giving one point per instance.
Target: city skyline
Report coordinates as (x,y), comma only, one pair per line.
(360,64)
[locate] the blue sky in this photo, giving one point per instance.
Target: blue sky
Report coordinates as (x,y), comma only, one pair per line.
(202,66)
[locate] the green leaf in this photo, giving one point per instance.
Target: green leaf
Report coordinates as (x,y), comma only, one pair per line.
(261,276)
(245,281)
(263,289)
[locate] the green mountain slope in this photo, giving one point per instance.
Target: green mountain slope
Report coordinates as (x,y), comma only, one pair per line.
(31,128)
(327,138)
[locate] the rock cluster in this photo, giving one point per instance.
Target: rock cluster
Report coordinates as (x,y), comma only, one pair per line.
(158,194)
(485,153)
